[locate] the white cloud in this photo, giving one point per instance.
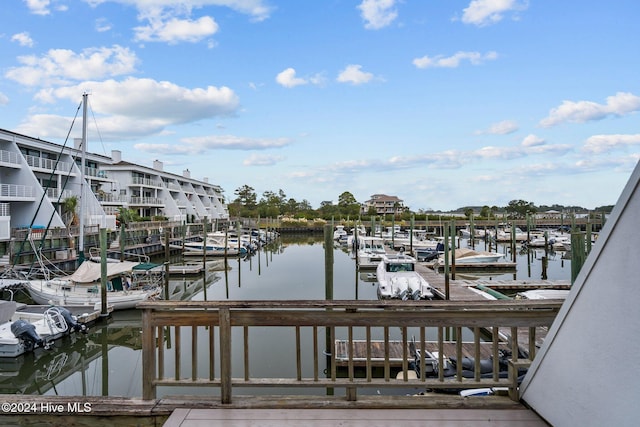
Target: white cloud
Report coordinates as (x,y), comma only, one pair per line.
(177,30)
(262,160)
(102,25)
(377,13)
(287,78)
(532,140)
(171,21)
(486,12)
(354,75)
(501,128)
(603,143)
(583,111)
(38,7)
(4,99)
(61,66)
(257,9)
(440,61)
(23,39)
(200,145)
(134,107)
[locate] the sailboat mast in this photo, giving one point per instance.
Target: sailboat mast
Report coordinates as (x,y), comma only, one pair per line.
(82,178)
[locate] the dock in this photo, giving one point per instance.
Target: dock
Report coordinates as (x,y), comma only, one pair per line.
(460,290)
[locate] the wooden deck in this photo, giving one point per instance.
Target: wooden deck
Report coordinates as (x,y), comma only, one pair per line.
(353,417)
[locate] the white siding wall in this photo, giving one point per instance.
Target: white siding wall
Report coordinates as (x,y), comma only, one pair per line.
(587,372)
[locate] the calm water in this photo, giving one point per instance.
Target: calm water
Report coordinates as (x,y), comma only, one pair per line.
(108,360)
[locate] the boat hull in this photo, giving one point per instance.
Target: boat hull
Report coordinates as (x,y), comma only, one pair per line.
(47,292)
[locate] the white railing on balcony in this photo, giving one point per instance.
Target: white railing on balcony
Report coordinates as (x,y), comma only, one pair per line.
(95,172)
(5,209)
(112,198)
(48,164)
(146,201)
(146,182)
(9,157)
(13,190)
(173,186)
(54,193)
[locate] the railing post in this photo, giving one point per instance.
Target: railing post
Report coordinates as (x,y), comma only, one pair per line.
(148,356)
(225,355)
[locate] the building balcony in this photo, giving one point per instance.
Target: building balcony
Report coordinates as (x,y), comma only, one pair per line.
(48,165)
(96,173)
(55,194)
(13,192)
(146,201)
(145,182)
(7,158)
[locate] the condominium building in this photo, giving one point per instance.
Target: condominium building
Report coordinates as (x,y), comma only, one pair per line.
(37,177)
(384,205)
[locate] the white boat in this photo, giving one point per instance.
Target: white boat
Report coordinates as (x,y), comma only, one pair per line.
(370,251)
(215,244)
(25,327)
(340,233)
(558,242)
(353,239)
(127,286)
(469,256)
(505,235)
(415,239)
(398,279)
(543,294)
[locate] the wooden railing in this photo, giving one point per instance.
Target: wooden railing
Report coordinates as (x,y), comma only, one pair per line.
(198,324)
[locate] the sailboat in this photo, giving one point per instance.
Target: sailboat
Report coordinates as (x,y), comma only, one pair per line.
(128,283)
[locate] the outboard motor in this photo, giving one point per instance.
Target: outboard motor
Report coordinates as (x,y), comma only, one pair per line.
(416,295)
(27,332)
(72,321)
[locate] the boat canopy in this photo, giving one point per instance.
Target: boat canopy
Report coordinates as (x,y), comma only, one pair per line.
(90,271)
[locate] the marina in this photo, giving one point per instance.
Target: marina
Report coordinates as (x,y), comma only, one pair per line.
(278,271)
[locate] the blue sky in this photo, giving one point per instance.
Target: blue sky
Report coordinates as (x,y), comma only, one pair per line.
(443,103)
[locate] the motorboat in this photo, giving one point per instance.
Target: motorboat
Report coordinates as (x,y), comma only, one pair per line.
(465,367)
(469,256)
(398,278)
(370,251)
(415,239)
(340,234)
(128,283)
(215,244)
(354,239)
(25,327)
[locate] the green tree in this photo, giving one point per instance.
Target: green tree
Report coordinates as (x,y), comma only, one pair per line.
(520,209)
(348,204)
(246,196)
(485,212)
(245,202)
(70,206)
(272,204)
